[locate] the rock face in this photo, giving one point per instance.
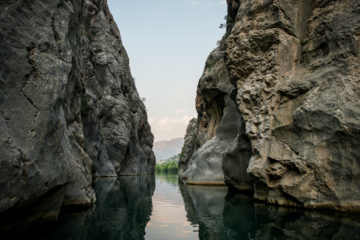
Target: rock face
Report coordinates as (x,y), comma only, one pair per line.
(69,109)
(117,134)
(189,146)
(295,69)
(217,139)
(166,149)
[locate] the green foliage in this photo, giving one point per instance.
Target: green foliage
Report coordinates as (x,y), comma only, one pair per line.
(228,18)
(170,165)
(90,37)
(211,63)
(303,42)
(229,23)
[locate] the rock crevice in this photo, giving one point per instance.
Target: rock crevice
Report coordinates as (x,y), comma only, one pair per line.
(295,69)
(69,106)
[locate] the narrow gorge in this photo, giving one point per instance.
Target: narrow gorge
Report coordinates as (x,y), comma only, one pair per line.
(278,105)
(278,118)
(69,108)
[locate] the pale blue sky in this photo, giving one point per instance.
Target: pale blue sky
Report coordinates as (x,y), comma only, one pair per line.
(168,42)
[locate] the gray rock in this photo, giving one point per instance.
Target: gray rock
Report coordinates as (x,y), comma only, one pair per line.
(69,109)
(41,131)
(189,146)
(297,91)
(294,66)
(217,142)
(117,135)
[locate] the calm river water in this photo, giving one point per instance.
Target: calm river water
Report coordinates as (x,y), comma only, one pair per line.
(158,207)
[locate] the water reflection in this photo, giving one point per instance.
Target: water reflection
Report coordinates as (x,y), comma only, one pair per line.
(122,211)
(168,219)
(131,208)
(235,216)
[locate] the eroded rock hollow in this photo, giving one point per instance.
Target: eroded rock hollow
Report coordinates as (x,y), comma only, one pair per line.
(294,68)
(69,108)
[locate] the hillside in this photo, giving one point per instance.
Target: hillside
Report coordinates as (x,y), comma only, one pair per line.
(168,165)
(166,149)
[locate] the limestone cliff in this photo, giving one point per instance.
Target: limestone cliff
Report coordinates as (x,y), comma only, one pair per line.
(69,109)
(117,134)
(294,67)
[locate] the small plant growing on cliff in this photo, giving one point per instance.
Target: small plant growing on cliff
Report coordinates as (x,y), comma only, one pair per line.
(303,42)
(90,37)
(229,23)
(211,63)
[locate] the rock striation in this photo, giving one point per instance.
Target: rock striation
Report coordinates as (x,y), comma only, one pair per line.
(218,125)
(294,66)
(117,134)
(69,109)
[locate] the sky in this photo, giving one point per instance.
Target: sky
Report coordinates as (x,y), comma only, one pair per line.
(167,42)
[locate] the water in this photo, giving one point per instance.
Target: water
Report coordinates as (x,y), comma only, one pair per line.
(133,208)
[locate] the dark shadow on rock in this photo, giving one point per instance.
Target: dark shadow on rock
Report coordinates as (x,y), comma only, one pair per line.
(46,208)
(223,215)
(246,219)
(122,211)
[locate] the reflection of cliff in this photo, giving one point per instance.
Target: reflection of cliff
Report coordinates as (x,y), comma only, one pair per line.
(123,209)
(236,216)
(204,206)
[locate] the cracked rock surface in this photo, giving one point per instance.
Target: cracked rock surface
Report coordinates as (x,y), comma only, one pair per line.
(295,67)
(69,108)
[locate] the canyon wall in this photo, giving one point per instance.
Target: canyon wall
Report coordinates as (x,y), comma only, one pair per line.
(69,108)
(294,67)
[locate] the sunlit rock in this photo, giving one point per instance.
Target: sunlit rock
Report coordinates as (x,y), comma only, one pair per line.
(294,66)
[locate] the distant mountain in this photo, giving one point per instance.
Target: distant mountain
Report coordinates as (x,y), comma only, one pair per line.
(167,149)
